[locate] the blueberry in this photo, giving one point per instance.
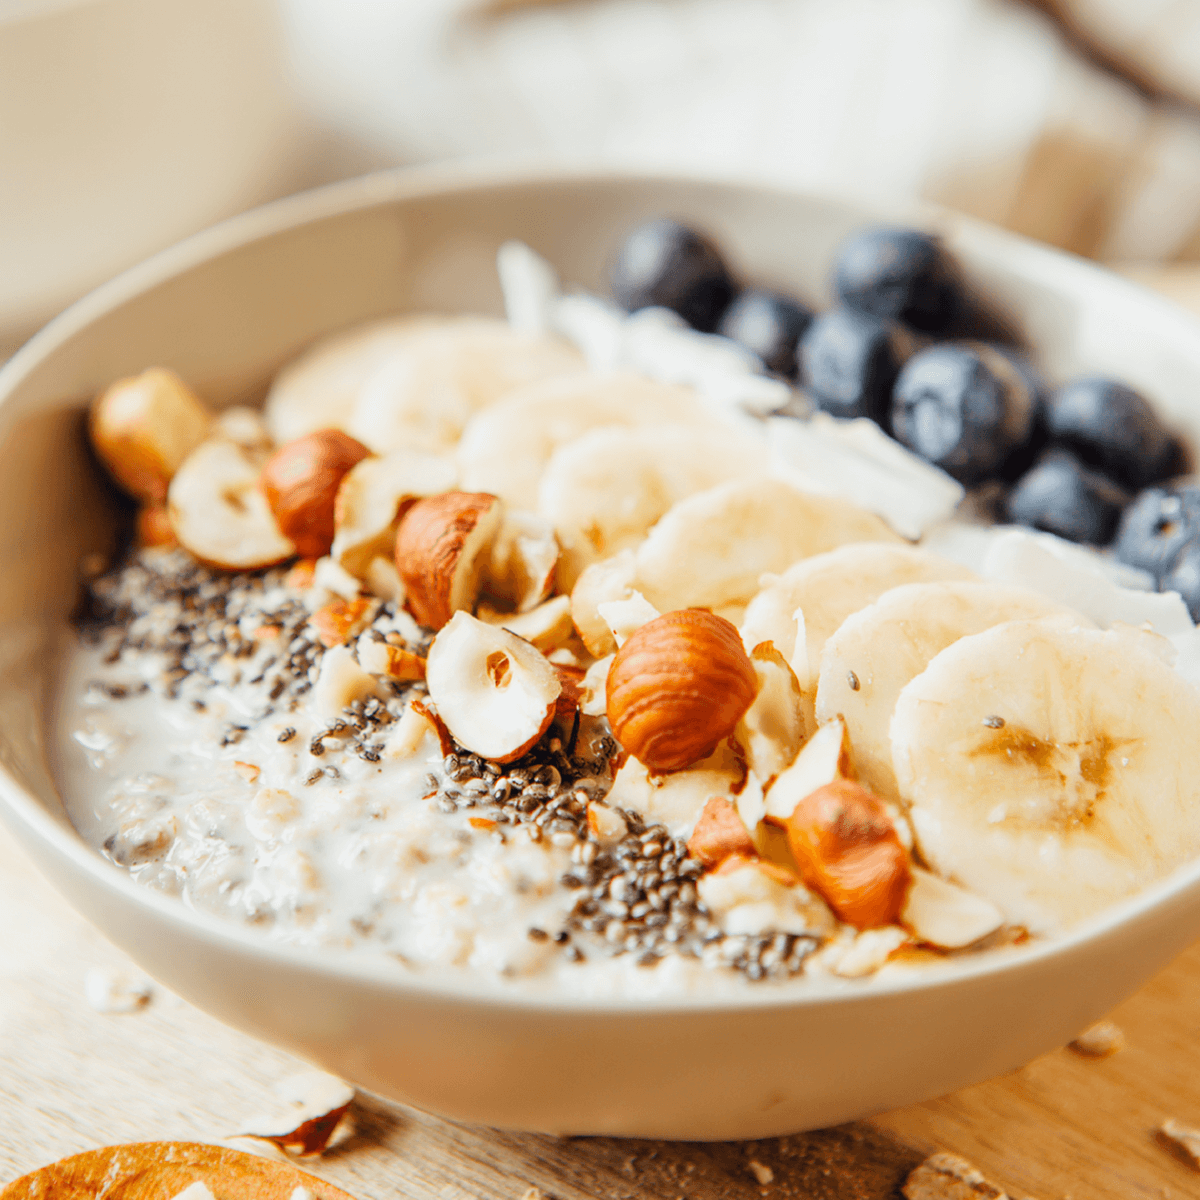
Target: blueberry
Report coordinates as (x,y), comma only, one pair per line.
(1113,428)
(769,324)
(1184,578)
(848,361)
(1063,496)
(667,264)
(1156,527)
(963,408)
(901,274)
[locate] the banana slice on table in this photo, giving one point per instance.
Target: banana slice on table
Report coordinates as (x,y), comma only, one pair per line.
(1052,770)
(817,594)
(318,390)
(877,650)
(711,549)
(424,394)
(604,490)
(505,448)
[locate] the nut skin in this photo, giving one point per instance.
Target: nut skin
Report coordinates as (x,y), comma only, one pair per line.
(848,850)
(439,539)
(677,687)
(300,481)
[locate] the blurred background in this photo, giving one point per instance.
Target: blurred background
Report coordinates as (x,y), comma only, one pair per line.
(127,124)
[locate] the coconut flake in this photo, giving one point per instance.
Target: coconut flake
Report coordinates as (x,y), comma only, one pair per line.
(859,462)
(530,287)
(314,1104)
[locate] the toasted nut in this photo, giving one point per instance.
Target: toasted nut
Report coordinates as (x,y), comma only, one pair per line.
(301,480)
(848,850)
(302,574)
(677,687)
(144,427)
(154,526)
(382,658)
(441,550)
(719,833)
(336,623)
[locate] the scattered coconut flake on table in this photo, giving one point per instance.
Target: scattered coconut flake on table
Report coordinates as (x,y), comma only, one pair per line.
(1184,1138)
(857,461)
(1099,1040)
(316,1106)
(949,1177)
(1062,573)
(112,991)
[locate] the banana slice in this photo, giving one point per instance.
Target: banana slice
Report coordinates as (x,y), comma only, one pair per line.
(424,394)
(318,390)
(710,549)
(877,650)
(819,593)
(604,490)
(505,448)
(1053,771)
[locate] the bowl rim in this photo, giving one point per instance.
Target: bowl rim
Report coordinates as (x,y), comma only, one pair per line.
(19,806)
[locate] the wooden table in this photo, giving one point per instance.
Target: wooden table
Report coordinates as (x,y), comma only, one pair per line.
(71,1079)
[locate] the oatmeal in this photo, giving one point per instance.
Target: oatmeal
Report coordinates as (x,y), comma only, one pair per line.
(567,654)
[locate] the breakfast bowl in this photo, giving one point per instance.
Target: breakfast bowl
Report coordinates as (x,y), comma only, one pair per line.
(226,310)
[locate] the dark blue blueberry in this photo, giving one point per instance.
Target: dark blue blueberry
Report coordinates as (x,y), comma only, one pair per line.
(1063,496)
(1112,428)
(962,407)
(901,274)
(848,361)
(667,264)
(769,324)
(1184,577)
(1156,527)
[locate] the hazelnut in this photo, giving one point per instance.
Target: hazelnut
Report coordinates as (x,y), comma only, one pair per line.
(677,687)
(848,850)
(301,481)
(441,548)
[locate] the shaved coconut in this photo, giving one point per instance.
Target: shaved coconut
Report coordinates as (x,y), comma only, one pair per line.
(593,692)
(530,288)
(859,462)
(625,617)
(776,724)
(868,952)
(946,915)
(328,576)
(219,513)
(595,326)
(824,759)
(495,692)
(383,580)
(340,682)
(547,627)
(602,582)
(752,900)
(244,426)
(712,548)
(1032,561)
(371,497)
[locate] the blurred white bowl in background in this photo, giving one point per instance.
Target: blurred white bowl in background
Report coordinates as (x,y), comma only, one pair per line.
(125,125)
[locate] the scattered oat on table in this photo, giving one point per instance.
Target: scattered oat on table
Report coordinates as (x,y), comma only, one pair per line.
(761,1172)
(112,991)
(1184,1138)
(949,1177)
(1099,1040)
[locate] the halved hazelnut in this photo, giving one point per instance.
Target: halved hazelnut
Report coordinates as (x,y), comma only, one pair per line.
(677,687)
(441,549)
(496,693)
(719,833)
(373,496)
(220,515)
(144,427)
(825,758)
(301,480)
(847,850)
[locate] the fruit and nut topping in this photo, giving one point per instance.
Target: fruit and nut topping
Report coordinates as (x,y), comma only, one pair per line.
(561,650)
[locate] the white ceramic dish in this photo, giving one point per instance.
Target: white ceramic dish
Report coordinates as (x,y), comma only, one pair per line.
(229,306)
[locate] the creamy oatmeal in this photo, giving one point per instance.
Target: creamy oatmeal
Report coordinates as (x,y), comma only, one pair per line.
(553,652)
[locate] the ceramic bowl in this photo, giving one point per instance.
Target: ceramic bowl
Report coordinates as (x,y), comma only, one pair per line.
(226,309)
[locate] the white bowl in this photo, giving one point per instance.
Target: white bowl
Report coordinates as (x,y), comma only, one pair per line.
(226,309)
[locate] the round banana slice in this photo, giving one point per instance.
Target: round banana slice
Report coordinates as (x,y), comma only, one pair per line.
(604,490)
(877,650)
(318,390)
(818,593)
(505,448)
(1052,770)
(710,549)
(424,394)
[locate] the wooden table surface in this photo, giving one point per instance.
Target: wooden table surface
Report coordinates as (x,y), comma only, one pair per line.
(1062,1128)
